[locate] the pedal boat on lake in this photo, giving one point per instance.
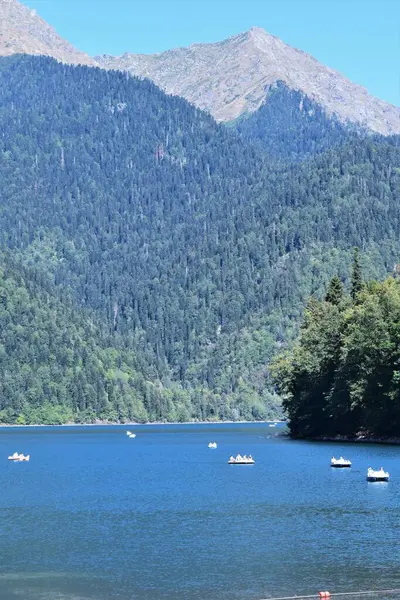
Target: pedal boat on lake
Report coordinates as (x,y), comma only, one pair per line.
(380,475)
(212,445)
(19,457)
(241,460)
(340,463)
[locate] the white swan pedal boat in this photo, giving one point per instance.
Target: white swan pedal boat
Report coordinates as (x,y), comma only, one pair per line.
(16,457)
(340,463)
(380,475)
(241,460)
(212,445)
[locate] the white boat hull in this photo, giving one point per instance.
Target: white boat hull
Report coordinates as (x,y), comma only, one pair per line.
(380,475)
(340,463)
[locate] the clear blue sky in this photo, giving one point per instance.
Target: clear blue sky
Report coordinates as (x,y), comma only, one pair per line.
(359,38)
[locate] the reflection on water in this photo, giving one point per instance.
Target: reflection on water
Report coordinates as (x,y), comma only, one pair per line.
(96,515)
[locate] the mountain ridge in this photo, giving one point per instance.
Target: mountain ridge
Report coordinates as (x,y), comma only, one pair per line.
(23,31)
(229,78)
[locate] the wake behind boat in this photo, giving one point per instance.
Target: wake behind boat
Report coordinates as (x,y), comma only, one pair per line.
(380,475)
(340,463)
(241,460)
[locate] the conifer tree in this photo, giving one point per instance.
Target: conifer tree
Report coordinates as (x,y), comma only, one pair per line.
(356,275)
(334,293)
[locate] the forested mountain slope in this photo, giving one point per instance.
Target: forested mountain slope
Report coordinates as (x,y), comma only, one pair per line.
(293,127)
(188,242)
(58,365)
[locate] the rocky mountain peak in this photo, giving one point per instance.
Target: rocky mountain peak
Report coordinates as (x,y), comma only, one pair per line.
(257,35)
(230,78)
(22,31)
(227,78)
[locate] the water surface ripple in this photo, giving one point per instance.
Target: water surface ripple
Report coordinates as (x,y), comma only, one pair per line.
(98,516)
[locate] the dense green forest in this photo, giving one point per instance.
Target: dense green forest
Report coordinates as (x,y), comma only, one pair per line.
(189,246)
(342,377)
(58,365)
(292,127)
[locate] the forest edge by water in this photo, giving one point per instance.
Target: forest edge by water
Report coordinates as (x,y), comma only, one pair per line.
(341,380)
(136,424)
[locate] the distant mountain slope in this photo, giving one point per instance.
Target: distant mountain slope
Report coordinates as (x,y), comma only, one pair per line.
(229,78)
(290,126)
(22,31)
(56,363)
(181,236)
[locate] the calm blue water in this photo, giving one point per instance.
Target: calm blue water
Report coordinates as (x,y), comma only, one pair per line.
(96,515)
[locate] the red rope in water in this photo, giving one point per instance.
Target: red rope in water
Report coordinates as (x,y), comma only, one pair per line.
(364,593)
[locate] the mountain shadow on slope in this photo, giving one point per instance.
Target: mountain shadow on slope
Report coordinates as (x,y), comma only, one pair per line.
(293,127)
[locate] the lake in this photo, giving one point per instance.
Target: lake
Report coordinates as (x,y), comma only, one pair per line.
(96,515)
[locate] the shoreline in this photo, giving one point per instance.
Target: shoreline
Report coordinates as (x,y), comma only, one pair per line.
(360,439)
(134,424)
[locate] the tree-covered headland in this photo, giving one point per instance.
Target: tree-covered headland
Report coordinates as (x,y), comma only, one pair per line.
(343,375)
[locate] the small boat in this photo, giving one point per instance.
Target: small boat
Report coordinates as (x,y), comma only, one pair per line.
(380,475)
(212,445)
(272,424)
(129,433)
(241,460)
(340,463)
(132,435)
(16,457)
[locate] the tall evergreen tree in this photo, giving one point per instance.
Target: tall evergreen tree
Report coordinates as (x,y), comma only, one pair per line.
(356,275)
(334,293)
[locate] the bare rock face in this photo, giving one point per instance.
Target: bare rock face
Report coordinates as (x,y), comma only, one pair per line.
(22,31)
(229,78)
